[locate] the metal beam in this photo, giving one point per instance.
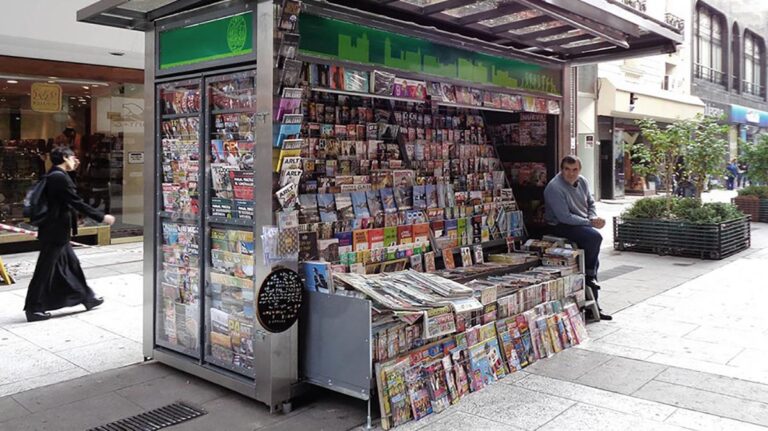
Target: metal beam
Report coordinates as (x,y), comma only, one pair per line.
(613,36)
(523,23)
(532,36)
(566,40)
(506,9)
(444,6)
(177,7)
(128,13)
(665,47)
(98,8)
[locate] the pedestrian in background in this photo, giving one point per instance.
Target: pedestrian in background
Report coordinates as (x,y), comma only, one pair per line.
(59,280)
(743,168)
(731,175)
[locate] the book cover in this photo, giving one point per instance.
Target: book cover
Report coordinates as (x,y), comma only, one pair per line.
(388,201)
(345,242)
(448,260)
(416,263)
(421,233)
(390,236)
(429,261)
(317,276)
(466,256)
(328,249)
(419,197)
(337,77)
(438,386)
(243,209)
(360,240)
(344,206)
(327,207)
(287,196)
(418,392)
(308,212)
(374,203)
(308,246)
(356,80)
(404,234)
(360,205)
(382,83)
(375,238)
(404,198)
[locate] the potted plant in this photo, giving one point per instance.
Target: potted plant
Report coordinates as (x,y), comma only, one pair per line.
(682,227)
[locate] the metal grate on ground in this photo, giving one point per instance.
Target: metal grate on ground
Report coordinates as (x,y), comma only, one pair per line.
(617,271)
(156,419)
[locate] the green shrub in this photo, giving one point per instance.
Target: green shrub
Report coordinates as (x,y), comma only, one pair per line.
(687,209)
(759,191)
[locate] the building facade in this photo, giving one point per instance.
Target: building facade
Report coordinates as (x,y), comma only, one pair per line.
(69,83)
(729,65)
(614,95)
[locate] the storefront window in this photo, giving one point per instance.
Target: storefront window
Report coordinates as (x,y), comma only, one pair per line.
(753,67)
(709,46)
(101,121)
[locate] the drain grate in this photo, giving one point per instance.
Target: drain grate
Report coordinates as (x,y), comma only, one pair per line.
(617,271)
(156,419)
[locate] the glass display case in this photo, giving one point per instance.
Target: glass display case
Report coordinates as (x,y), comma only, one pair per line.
(178,296)
(230,290)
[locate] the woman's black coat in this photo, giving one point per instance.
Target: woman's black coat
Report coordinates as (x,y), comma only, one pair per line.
(63,201)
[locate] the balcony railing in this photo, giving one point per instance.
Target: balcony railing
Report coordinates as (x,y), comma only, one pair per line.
(753,88)
(709,74)
(674,21)
(636,4)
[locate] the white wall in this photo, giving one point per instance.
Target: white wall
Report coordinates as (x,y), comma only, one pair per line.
(48,29)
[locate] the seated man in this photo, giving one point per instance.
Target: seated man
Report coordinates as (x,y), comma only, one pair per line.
(570,213)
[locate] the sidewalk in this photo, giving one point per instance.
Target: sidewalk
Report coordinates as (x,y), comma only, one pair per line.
(682,353)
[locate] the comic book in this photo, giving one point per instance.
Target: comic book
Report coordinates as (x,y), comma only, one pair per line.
(418,391)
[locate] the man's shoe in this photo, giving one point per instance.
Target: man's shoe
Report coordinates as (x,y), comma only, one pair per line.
(605,316)
(591,283)
(95,302)
(37,316)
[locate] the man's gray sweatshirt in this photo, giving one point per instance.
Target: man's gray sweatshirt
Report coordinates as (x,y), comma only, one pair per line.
(568,204)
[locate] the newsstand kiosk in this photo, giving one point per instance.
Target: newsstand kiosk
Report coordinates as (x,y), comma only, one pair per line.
(349,135)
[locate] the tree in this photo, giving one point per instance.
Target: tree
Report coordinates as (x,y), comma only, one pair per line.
(704,150)
(756,156)
(658,152)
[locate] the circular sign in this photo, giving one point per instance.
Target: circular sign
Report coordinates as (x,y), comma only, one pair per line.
(237,32)
(279,300)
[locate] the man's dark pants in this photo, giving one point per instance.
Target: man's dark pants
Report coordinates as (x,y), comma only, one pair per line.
(586,238)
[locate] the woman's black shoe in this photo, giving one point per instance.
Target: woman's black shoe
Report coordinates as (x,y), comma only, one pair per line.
(37,316)
(95,302)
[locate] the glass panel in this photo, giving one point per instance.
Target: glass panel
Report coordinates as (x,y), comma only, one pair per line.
(422,2)
(506,19)
(474,8)
(567,34)
(583,43)
(178,292)
(230,290)
(232,102)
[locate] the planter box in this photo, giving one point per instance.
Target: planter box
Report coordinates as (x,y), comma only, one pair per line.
(763,211)
(749,205)
(680,238)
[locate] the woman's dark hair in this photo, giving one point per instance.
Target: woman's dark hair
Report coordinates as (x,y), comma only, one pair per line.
(59,153)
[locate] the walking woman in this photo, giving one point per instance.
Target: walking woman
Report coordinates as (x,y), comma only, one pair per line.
(59,280)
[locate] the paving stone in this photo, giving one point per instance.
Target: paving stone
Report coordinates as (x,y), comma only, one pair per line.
(77,416)
(461,421)
(598,330)
(615,350)
(621,375)
(29,383)
(662,343)
(514,406)
(587,417)
(704,422)
(706,402)
(233,412)
(89,386)
(327,411)
(598,397)
(714,383)
(107,355)
(570,364)
(757,376)
(171,388)
(125,321)
(11,409)
(23,361)
(62,333)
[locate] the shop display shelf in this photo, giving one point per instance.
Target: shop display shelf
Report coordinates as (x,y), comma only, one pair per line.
(182,115)
(680,238)
(224,221)
(178,216)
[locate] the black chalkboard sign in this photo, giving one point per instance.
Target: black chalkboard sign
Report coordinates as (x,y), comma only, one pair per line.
(279,300)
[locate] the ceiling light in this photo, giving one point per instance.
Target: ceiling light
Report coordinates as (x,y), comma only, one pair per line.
(51,82)
(12,81)
(88,97)
(52,77)
(94,85)
(86,87)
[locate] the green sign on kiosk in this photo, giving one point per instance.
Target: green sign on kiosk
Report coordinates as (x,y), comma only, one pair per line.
(212,40)
(339,40)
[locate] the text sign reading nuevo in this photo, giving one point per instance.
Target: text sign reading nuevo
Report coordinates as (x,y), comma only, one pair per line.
(334,39)
(213,40)
(279,300)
